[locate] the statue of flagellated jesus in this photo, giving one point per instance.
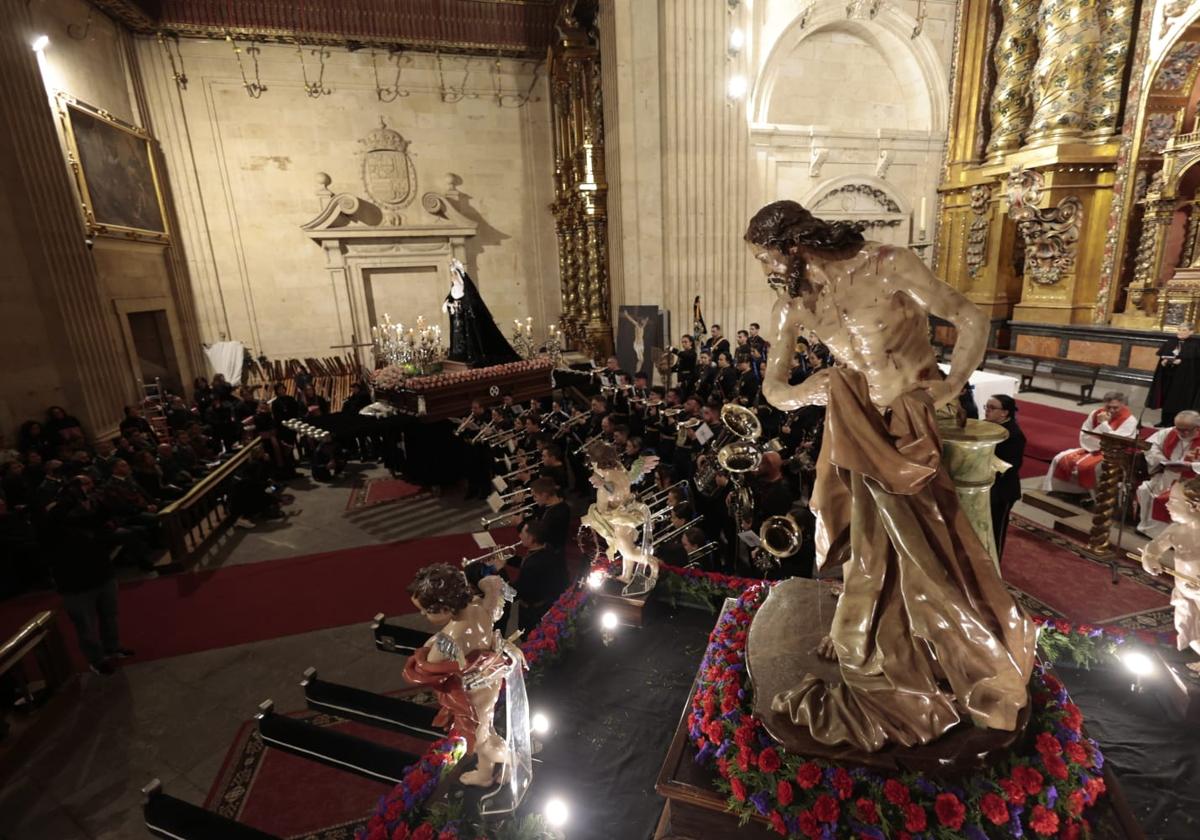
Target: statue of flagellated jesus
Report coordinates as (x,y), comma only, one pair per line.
(925,633)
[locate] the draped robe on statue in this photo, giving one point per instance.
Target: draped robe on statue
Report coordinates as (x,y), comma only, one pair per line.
(1077,470)
(925,631)
(1165,446)
(474,336)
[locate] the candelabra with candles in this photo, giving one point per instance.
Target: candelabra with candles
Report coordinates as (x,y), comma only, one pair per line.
(417,349)
(527,347)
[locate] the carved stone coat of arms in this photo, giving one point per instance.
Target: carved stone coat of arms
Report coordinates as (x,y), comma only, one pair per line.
(389,177)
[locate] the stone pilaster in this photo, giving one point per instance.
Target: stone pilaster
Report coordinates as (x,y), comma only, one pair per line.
(85,348)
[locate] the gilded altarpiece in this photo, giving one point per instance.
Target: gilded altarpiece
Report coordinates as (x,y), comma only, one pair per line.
(580,188)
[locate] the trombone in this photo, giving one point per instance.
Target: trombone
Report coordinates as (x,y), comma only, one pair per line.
(531,469)
(652,496)
(498,550)
(672,533)
(462,426)
(566,425)
(489,522)
(484,431)
(694,556)
(587,443)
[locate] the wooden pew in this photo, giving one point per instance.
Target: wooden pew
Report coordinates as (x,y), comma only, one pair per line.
(189,524)
(1026,366)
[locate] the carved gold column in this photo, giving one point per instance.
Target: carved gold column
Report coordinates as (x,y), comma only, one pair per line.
(1156,220)
(580,205)
(1014,57)
(1104,104)
(1068,39)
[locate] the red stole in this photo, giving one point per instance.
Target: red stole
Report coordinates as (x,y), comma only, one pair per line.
(445,678)
(1082,466)
(1159,511)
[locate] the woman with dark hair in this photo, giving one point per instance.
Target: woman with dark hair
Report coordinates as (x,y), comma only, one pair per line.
(202,394)
(727,378)
(1006,491)
(32,437)
(61,426)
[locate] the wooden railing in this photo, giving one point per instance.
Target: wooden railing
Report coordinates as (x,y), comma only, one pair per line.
(35,659)
(191,522)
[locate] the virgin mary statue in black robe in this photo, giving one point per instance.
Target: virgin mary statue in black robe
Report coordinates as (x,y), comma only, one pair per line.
(474,337)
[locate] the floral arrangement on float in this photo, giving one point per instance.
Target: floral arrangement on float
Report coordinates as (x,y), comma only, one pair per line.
(440,380)
(1041,792)
(390,378)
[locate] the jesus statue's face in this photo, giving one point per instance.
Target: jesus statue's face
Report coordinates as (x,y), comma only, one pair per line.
(774,264)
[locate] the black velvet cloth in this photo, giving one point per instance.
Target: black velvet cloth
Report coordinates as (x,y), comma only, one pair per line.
(474,336)
(614,710)
(1156,760)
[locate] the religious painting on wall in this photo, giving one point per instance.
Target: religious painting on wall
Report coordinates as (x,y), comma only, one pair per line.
(639,338)
(115,172)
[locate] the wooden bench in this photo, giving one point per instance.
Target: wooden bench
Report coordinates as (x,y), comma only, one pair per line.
(191,522)
(1026,366)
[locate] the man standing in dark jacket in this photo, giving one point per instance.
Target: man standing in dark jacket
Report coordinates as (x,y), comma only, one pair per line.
(543,576)
(84,575)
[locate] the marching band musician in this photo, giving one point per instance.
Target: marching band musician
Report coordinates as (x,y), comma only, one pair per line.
(716,344)
(543,575)
(612,375)
(692,539)
(553,466)
(685,364)
(551,512)
(706,377)
(672,551)
(747,383)
(725,386)
(686,446)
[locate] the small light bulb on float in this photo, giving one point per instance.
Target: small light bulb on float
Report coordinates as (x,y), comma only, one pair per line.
(609,620)
(595,579)
(539,723)
(1140,664)
(556,812)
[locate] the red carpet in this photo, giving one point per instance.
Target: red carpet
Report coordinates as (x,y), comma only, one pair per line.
(1077,588)
(169,616)
(1048,431)
(378,491)
(288,796)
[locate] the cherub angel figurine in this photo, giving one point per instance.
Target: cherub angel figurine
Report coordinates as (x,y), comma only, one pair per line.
(465,662)
(1182,536)
(617,516)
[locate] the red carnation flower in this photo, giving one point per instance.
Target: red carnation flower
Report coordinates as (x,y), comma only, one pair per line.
(1029,779)
(809,824)
(1077,754)
(1063,627)
(1052,682)
(1048,745)
(1072,717)
(1043,820)
(416,780)
(378,832)
(843,783)
(808,775)
(914,817)
(1056,767)
(777,823)
(1013,791)
(950,810)
(710,706)
(1070,831)
(784,793)
(401,832)
(745,759)
(423,832)
(768,760)
(715,731)
(728,703)
(867,812)
(826,808)
(895,792)
(1075,803)
(447,834)
(739,789)
(743,736)
(994,809)
(1093,788)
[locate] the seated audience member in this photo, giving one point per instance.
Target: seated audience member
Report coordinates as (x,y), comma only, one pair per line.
(173,471)
(1006,490)
(126,499)
(178,415)
(135,421)
(15,486)
(1174,454)
(32,437)
(284,406)
(62,427)
(149,476)
(543,576)
(314,404)
(102,463)
(1076,470)
(250,497)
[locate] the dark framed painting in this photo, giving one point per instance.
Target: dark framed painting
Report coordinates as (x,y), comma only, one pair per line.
(639,338)
(113,163)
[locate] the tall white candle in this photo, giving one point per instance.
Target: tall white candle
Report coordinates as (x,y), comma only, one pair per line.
(922,225)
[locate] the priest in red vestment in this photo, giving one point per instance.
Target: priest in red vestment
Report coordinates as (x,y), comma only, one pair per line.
(1174,455)
(1077,470)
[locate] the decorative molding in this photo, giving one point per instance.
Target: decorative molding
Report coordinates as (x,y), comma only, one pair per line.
(874,193)
(1051,235)
(816,160)
(884,162)
(977,234)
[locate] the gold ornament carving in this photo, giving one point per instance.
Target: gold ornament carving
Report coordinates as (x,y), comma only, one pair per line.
(1014,57)
(1104,103)
(1051,234)
(976,250)
(1068,40)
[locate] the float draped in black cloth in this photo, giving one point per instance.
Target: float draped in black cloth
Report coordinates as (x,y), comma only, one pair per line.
(474,336)
(1176,387)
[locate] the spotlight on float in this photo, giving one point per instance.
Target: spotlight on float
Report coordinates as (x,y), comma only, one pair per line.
(1140,664)
(609,621)
(556,812)
(596,579)
(737,86)
(40,43)
(539,723)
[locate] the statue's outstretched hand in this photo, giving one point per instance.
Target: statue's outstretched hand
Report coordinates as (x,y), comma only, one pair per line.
(1151,560)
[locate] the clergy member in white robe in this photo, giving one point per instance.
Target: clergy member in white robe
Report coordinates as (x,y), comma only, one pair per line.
(1172,454)
(1077,470)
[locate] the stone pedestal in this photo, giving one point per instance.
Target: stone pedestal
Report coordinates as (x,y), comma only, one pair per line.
(969,454)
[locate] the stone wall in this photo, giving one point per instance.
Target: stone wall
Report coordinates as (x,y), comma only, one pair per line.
(245,179)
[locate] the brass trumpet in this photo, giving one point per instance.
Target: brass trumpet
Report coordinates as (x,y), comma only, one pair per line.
(587,443)
(462,427)
(569,423)
(489,522)
(780,536)
(498,550)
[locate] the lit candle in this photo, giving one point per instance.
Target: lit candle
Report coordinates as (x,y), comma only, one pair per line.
(922,226)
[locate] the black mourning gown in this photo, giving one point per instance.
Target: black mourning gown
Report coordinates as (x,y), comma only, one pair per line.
(1176,388)
(474,336)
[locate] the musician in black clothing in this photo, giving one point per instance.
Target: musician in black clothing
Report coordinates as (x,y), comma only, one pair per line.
(716,345)
(800,369)
(551,511)
(747,384)
(612,373)
(285,407)
(706,377)
(727,379)
(553,466)
(685,364)
(543,576)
